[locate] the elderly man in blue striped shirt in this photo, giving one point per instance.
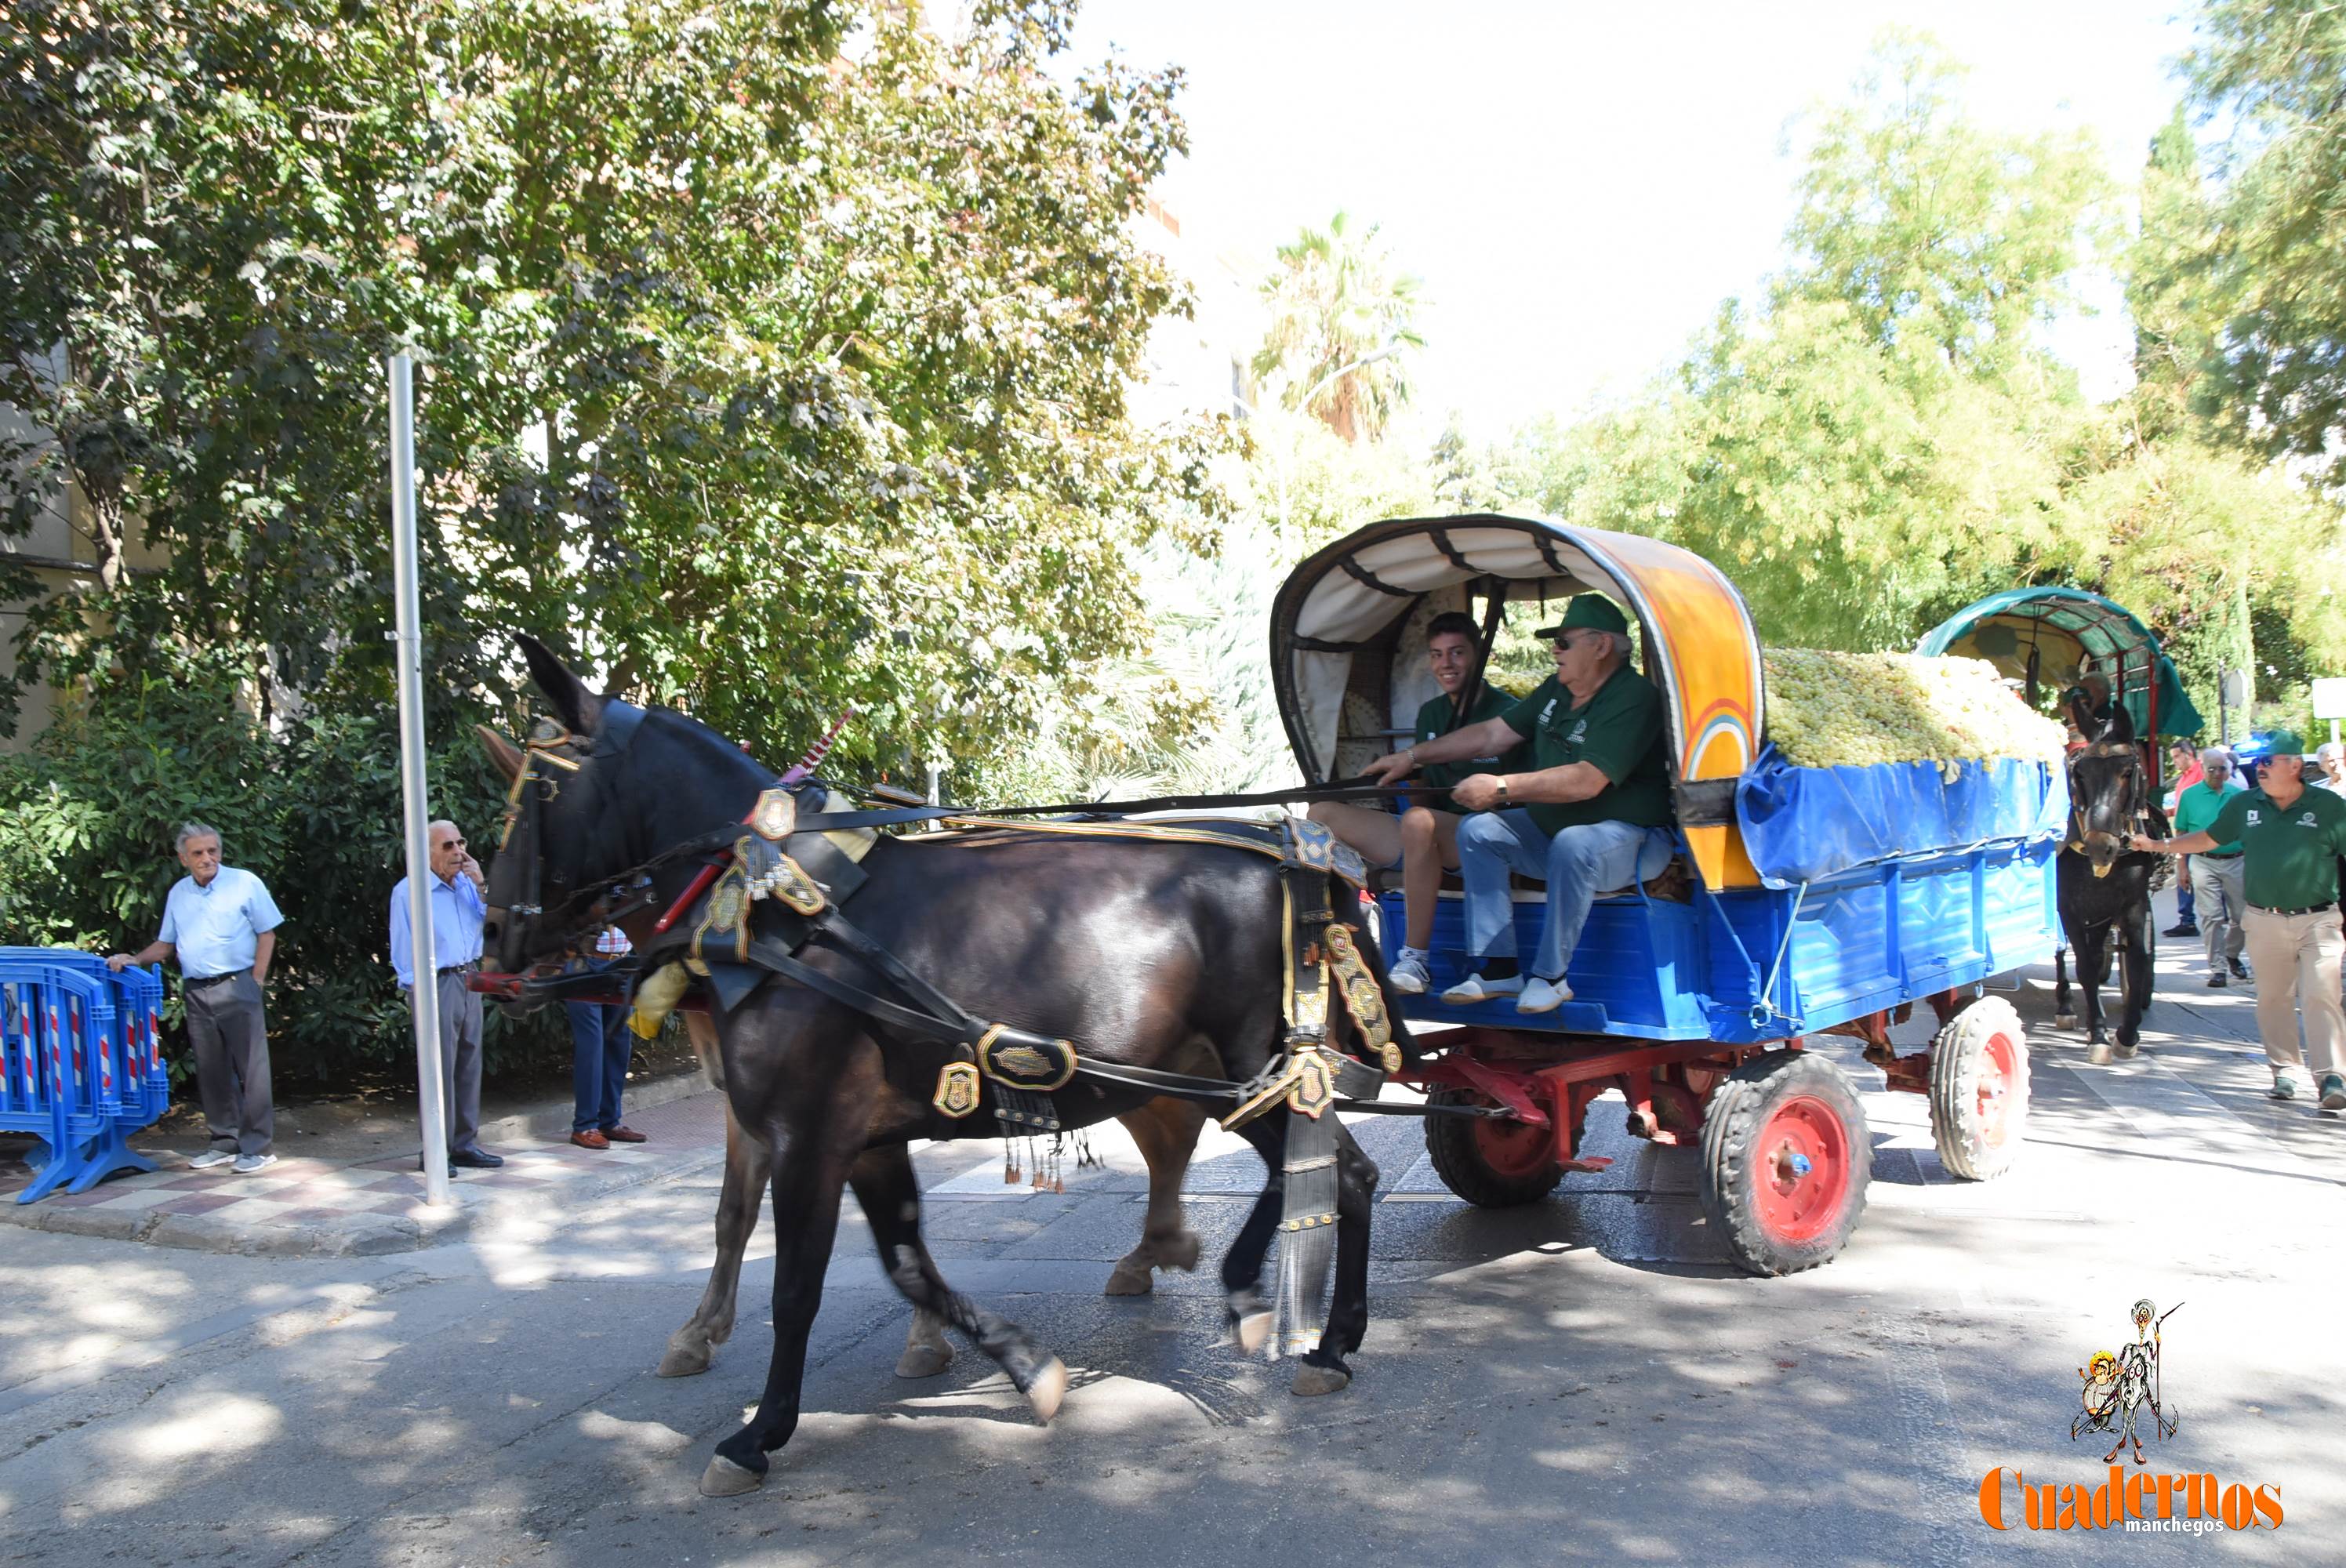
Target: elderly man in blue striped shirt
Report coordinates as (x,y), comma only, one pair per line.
(458,911)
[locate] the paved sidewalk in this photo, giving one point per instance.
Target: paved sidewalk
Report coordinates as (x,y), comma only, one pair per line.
(338,1206)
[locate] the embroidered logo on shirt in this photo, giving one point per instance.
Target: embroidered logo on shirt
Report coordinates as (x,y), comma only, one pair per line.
(2307,821)
(1579,732)
(2253,818)
(1549,712)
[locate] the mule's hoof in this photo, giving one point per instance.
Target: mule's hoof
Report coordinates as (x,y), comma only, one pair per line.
(1312,1381)
(2064,1021)
(2126,1049)
(1253,1331)
(723,1478)
(1049,1386)
(1131,1278)
(683,1361)
(2098,1054)
(1180,1252)
(923,1360)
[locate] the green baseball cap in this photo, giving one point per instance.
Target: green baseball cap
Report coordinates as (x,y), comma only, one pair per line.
(1588,612)
(2284,743)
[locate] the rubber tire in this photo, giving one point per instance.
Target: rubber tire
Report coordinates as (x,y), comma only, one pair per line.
(1459,1159)
(1957,1057)
(1739,1109)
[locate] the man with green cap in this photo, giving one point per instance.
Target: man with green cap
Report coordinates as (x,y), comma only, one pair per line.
(1591,815)
(2291,837)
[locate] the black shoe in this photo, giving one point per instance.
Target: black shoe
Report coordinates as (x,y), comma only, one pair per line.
(419,1165)
(476,1160)
(2216,982)
(2187,927)
(2239,970)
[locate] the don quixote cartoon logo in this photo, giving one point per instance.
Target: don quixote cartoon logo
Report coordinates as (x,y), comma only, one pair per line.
(2123,1397)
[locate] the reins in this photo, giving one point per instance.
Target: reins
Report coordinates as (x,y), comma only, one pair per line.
(637,876)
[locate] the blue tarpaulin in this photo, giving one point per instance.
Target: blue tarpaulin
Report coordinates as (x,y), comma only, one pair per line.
(1805,824)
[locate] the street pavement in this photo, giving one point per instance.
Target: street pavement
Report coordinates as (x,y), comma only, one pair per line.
(1581,1380)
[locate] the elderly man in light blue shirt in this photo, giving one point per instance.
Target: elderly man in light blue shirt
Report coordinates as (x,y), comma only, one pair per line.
(458,911)
(220,924)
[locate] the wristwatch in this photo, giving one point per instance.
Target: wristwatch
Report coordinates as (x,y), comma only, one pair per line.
(1503,791)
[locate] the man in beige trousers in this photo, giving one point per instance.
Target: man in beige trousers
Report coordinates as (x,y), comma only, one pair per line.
(2291,838)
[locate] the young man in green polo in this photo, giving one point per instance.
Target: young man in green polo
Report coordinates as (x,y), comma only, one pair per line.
(1591,815)
(2290,837)
(1424,838)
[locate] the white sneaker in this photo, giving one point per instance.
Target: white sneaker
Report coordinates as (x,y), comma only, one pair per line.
(211,1159)
(1474,989)
(246,1165)
(1409,975)
(1543,995)
(2284,1087)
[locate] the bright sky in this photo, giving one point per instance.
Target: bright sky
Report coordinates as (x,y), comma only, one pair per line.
(1580,184)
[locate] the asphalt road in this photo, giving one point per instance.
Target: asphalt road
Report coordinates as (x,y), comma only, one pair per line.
(1580,1379)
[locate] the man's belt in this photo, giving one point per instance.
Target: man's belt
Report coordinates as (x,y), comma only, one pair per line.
(2212,855)
(2310,909)
(466,967)
(187,983)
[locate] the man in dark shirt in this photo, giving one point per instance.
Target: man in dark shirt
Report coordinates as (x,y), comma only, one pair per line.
(1424,838)
(2291,838)
(1591,815)
(2087,705)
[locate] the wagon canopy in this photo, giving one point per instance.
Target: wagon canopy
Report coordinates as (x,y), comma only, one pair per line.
(1348,641)
(2047,637)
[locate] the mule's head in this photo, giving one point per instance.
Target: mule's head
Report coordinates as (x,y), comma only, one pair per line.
(2107,791)
(545,849)
(594,794)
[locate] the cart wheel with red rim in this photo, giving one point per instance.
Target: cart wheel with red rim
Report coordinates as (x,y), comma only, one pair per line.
(1979,1090)
(1490,1163)
(1785,1159)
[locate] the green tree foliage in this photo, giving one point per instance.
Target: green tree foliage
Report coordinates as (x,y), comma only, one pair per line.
(88,817)
(775,353)
(1343,314)
(1942,236)
(2274,252)
(772,361)
(1878,439)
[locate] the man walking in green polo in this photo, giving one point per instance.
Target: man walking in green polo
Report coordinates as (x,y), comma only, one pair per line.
(2291,837)
(2216,884)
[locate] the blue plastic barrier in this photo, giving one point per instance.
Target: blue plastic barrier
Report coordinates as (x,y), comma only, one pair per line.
(81,1064)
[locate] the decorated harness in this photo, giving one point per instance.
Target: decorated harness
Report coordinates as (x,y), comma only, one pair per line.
(780,879)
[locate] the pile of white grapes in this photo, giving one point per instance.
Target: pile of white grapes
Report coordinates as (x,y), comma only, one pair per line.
(1854,710)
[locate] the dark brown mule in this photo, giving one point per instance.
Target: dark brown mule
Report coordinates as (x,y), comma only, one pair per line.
(1166,1131)
(2104,889)
(1144,954)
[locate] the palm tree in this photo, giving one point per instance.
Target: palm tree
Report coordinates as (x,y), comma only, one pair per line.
(1341,316)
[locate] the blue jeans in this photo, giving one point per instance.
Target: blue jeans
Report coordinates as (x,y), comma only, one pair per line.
(1577,864)
(600,1044)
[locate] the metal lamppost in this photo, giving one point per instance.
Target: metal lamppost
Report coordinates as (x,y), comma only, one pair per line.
(424,1001)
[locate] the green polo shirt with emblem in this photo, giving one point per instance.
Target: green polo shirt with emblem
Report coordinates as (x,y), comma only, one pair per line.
(2197,806)
(2292,853)
(1620,731)
(1434,722)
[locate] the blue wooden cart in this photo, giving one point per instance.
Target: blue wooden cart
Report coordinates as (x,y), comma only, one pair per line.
(1801,903)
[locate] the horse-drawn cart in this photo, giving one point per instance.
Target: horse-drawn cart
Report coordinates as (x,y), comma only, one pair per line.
(1804,900)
